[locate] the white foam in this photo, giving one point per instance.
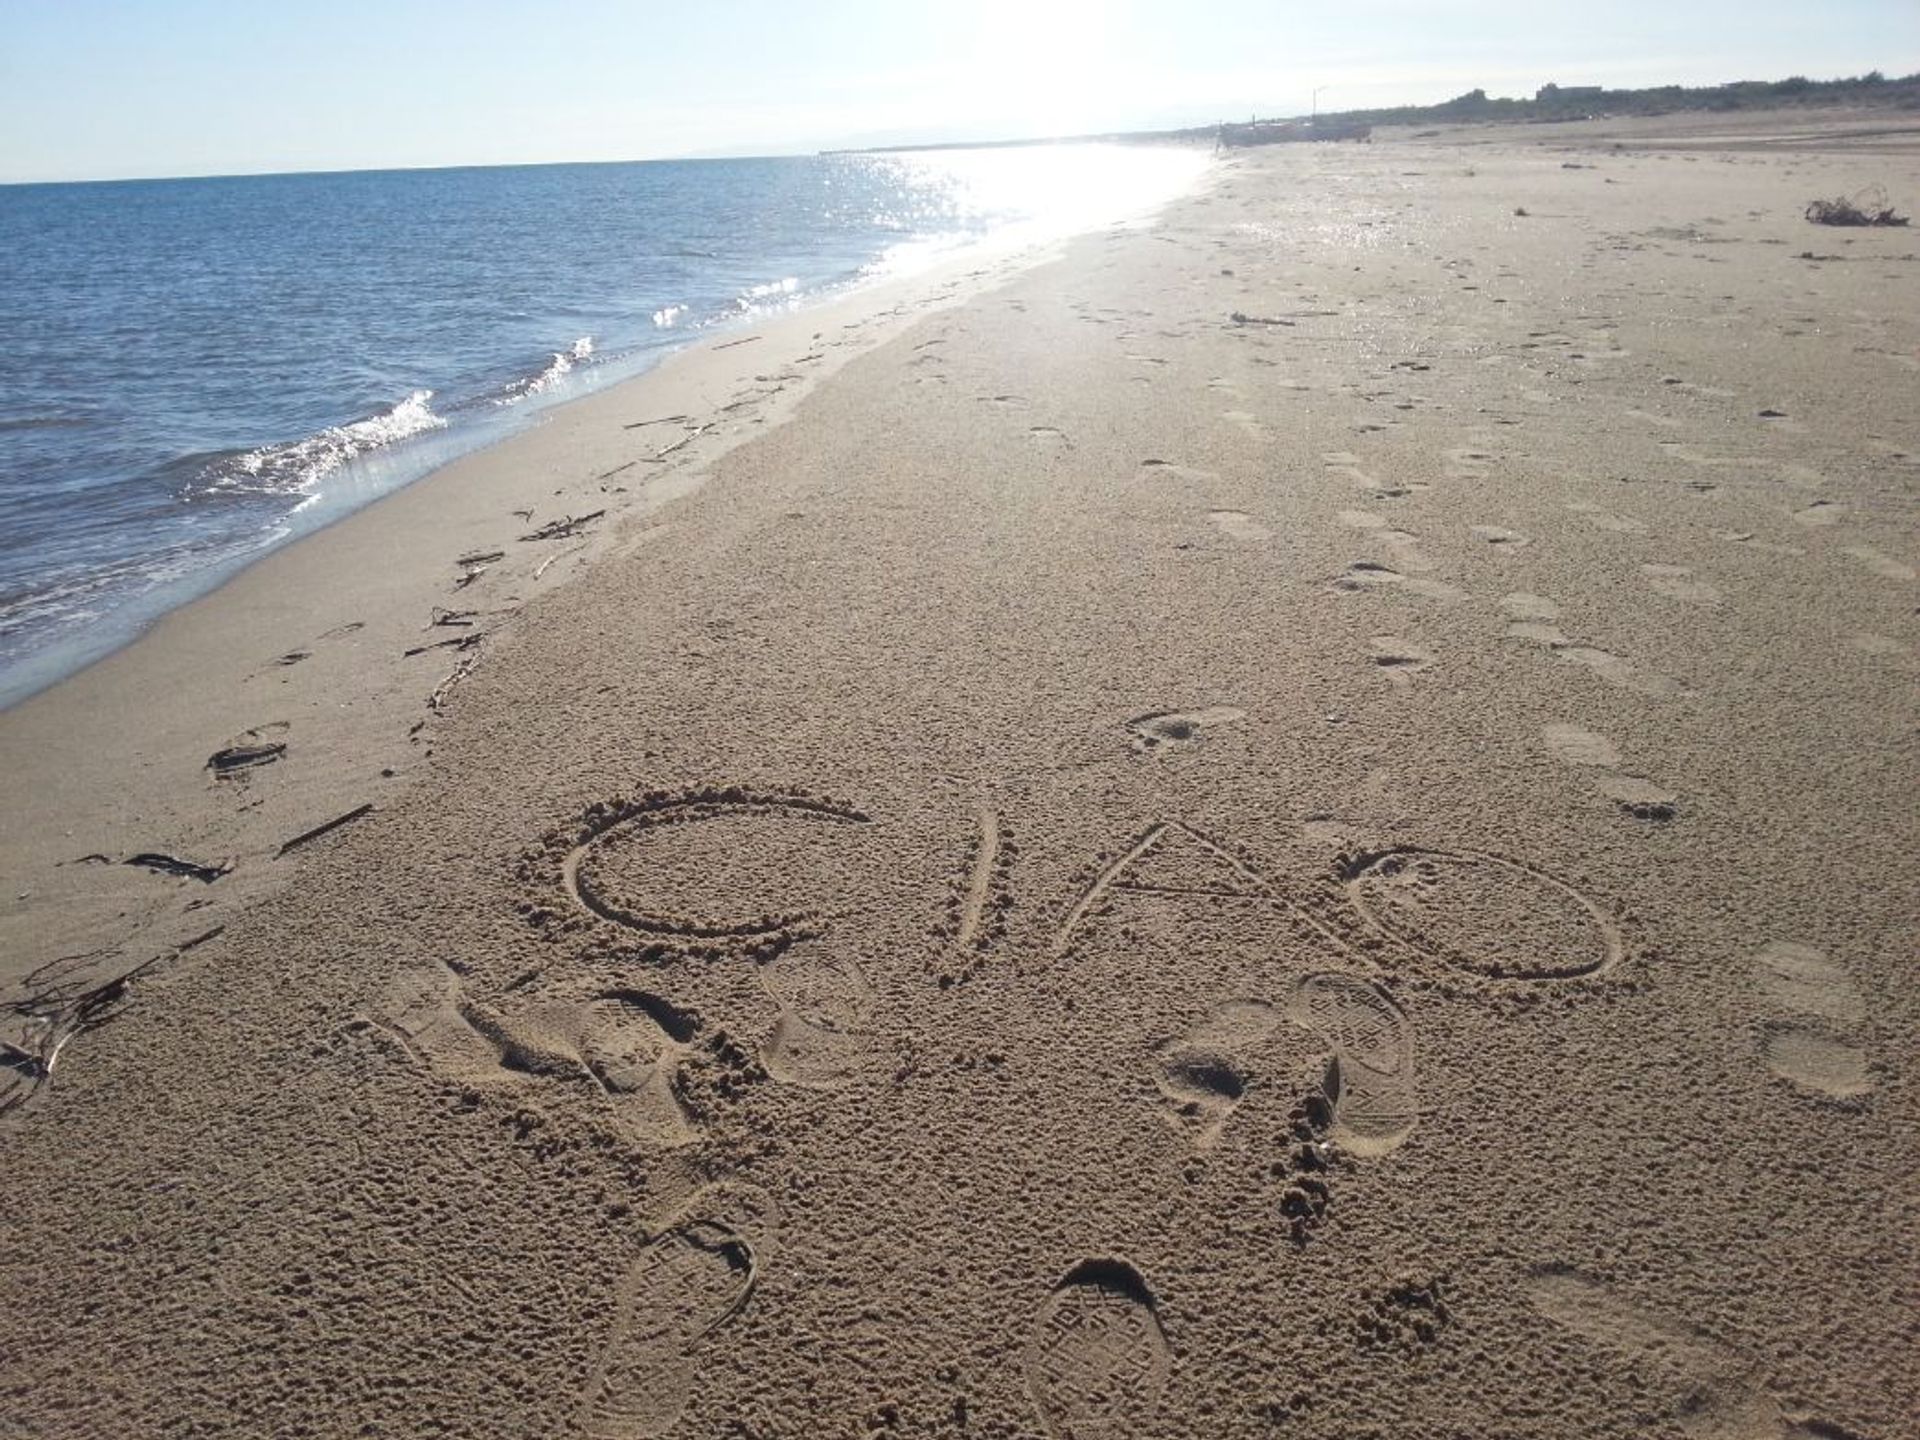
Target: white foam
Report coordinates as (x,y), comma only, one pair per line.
(296,467)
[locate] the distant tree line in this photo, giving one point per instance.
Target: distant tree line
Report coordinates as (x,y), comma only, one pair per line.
(1581,102)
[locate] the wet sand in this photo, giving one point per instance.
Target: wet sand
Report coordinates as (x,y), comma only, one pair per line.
(1296,822)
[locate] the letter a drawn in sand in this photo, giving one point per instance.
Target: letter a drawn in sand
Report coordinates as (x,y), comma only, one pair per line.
(1168,858)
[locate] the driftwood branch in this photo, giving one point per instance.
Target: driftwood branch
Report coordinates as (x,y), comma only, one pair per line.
(334,824)
(565,526)
(174,865)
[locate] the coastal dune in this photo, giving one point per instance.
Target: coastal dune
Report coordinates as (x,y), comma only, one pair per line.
(1292,822)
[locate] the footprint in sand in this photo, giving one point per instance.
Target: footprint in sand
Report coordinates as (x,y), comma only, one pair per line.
(628,1044)
(1369,1081)
(1164,730)
(1481,914)
(1344,465)
(1635,794)
(1167,470)
(1097,1361)
(1677,583)
(687,1283)
(1500,537)
(426,1010)
(1467,464)
(1204,1072)
(1881,564)
(1608,520)
(825,999)
(625,1044)
(1705,1388)
(1817,1049)
(1528,620)
(1821,513)
(1399,659)
(1247,422)
(1238,525)
(1364,575)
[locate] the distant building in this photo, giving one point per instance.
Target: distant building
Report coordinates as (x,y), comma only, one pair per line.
(1569,92)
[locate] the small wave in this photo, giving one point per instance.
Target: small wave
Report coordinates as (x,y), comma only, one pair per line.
(296,466)
(559,364)
(774,295)
(668,316)
(46,422)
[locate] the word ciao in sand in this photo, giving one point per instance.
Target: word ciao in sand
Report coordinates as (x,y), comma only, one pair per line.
(763,877)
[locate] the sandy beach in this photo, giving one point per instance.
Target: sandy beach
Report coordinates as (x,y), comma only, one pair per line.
(1295,820)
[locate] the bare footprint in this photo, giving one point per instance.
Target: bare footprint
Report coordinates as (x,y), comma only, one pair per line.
(687,1283)
(1815,1049)
(1707,1388)
(1577,746)
(1238,525)
(1365,575)
(1179,729)
(1603,519)
(1676,582)
(1521,605)
(1400,659)
(1882,564)
(1620,672)
(1500,537)
(1097,1362)
(1369,1081)
(1204,1072)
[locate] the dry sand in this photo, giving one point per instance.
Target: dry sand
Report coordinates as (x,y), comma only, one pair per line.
(1123,872)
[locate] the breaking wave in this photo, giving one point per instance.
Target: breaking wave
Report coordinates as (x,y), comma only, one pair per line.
(295,467)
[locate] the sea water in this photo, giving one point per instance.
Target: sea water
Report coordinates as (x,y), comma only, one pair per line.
(195,371)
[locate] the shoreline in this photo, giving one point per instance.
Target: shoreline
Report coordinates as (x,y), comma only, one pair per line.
(284,651)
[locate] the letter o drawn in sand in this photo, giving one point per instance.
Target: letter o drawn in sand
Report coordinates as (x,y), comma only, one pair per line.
(1482,914)
(1098,1360)
(713,865)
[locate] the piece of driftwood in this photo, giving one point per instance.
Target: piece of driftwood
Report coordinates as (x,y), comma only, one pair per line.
(616,470)
(684,440)
(445,688)
(334,824)
(47,1018)
(541,568)
(732,343)
(565,526)
(481,557)
(458,642)
(661,420)
(245,757)
(174,865)
(1240,318)
(452,617)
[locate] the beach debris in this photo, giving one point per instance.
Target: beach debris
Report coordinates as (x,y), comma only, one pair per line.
(525,515)
(457,642)
(658,420)
(334,824)
(235,758)
(732,343)
(174,865)
(38,1026)
(452,617)
(1521,211)
(445,688)
(609,474)
(565,526)
(474,564)
(541,568)
(1241,318)
(293,657)
(684,440)
(1869,207)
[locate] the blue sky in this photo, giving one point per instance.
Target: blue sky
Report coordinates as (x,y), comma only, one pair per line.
(94,89)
